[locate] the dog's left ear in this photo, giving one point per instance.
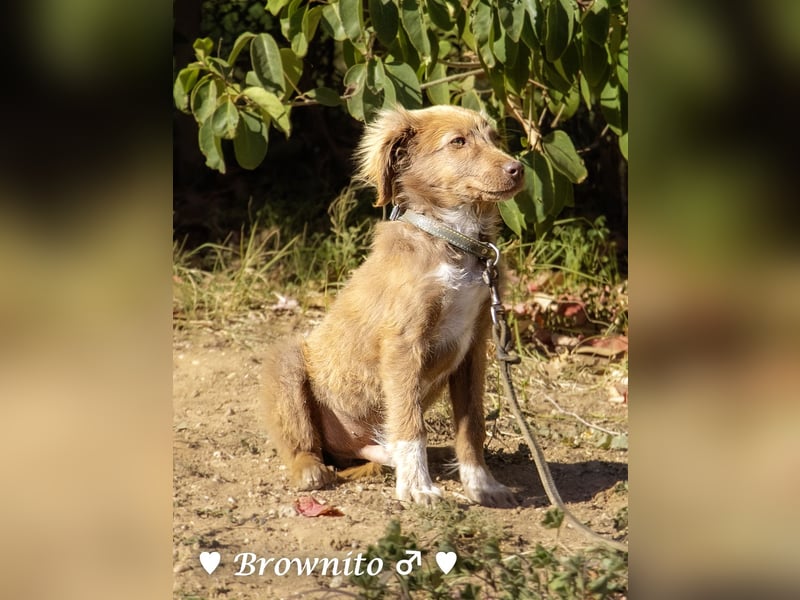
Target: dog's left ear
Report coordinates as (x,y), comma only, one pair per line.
(382,150)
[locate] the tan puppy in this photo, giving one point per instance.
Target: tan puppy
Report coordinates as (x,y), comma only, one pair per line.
(413,319)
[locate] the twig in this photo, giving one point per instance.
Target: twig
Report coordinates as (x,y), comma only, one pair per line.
(454,77)
(579,418)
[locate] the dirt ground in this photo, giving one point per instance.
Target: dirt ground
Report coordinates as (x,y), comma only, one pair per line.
(231,493)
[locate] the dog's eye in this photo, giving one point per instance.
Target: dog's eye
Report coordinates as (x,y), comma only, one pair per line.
(458,142)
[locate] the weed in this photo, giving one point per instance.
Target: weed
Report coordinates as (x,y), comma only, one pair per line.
(329,258)
(568,283)
(215,281)
(482,570)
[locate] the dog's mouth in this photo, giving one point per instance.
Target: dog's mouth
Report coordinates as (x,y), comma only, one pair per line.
(504,194)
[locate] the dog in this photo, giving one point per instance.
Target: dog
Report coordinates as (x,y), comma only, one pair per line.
(413,319)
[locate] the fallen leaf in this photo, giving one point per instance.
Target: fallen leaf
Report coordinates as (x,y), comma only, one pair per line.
(284,303)
(605,346)
(308,506)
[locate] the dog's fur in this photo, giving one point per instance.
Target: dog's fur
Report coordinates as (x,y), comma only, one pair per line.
(413,319)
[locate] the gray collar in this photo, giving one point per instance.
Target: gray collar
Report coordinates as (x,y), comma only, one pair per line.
(483,250)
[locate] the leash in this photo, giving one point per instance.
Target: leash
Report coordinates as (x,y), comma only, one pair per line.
(506,353)
(507,356)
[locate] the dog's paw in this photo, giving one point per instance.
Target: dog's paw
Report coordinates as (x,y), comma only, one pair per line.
(411,470)
(309,473)
(426,494)
(481,487)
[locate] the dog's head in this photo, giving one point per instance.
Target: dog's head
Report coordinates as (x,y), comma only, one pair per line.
(446,156)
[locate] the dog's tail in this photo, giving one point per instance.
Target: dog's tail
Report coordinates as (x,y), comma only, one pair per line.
(367,470)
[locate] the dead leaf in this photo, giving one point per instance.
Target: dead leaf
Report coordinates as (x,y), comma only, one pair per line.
(604,346)
(308,506)
(284,303)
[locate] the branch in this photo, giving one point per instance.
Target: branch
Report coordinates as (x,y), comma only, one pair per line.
(531,131)
(463,75)
(579,418)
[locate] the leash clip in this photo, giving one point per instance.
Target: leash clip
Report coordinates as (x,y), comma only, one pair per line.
(396,212)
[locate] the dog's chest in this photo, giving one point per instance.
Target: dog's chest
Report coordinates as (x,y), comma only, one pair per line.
(463,298)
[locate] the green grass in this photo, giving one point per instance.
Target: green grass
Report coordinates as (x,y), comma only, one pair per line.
(249,271)
(484,569)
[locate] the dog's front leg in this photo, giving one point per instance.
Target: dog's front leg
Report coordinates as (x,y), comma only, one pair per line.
(466,395)
(405,427)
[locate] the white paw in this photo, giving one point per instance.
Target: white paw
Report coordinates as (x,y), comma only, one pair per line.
(411,470)
(481,487)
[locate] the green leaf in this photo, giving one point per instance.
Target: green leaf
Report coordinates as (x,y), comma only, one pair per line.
(559,24)
(564,104)
(623,145)
(375,74)
(385,20)
(292,18)
(250,143)
(471,100)
(351,12)
(225,120)
(596,22)
(411,18)
(440,92)
(439,13)
(275,6)
(211,146)
(308,27)
(371,103)
(406,84)
(622,67)
(586,93)
(332,22)
(543,188)
(561,152)
(570,62)
(292,69)
(267,65)
(562,193)
(611,105)
(203,47)
(389,93)
(595,64)
(518,71)
(239,45)
(325,96)
(512,16)
(272,106)
(403,50)
(482,24)
(204,98)
(552,78)
(499,47)
(219,67)
(512,215)
(184,83)
(354,82)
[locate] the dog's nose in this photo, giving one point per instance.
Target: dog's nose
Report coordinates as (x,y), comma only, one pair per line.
(513,168)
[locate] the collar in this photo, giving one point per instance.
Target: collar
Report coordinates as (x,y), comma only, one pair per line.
(482,250)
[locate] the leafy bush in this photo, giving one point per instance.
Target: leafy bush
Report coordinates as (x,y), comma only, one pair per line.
(530,65)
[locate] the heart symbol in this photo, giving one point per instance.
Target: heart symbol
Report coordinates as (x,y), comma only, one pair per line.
(210,561)
(446,560)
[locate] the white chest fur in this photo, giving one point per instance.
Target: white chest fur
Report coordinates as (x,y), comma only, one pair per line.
(464,295)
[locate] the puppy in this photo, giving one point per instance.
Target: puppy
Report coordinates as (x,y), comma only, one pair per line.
(413,319)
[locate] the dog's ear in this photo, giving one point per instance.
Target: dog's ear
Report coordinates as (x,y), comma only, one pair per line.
(382,149)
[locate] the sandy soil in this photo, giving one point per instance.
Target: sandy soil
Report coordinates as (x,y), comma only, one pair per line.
(231,493)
